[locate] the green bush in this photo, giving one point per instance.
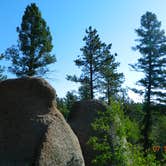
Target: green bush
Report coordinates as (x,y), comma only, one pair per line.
(114,140)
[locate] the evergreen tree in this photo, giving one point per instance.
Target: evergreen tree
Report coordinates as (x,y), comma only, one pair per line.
(90,62)
(152,46)
(114,139)
(65,104)
(32,54)
(62,107)
(99,69)
(110,80)
(70,99)
(84,89)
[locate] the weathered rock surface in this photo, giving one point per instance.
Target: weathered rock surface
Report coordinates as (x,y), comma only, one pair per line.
(80,119)
(32,130)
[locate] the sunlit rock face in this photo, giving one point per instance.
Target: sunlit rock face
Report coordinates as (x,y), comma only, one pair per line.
(32,130)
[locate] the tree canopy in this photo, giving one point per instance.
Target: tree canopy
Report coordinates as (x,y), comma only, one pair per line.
(98,66)
(152,47)
(32,54)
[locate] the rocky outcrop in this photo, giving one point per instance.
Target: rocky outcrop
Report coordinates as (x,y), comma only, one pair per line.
(80,119)
(32,130)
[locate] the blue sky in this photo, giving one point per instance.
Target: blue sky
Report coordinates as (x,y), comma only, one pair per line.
(115,21)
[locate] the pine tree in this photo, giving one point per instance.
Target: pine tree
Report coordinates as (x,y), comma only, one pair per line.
(152,46)
(111,80)
(83,91)
(70,99)
(90,62)
(32,54)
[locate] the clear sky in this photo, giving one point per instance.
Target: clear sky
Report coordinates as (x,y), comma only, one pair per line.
(115,21)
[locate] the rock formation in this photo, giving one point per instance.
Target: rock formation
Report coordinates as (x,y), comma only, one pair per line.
(80,119)
(32,130)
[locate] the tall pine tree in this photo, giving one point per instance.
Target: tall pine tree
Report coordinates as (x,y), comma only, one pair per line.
(152,46)
(110,81)
(90,63)
(32,55)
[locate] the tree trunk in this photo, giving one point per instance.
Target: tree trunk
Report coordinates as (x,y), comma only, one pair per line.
(147,108)
(91,78)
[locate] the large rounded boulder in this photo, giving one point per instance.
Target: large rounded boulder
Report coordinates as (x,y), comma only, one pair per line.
(32,130)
